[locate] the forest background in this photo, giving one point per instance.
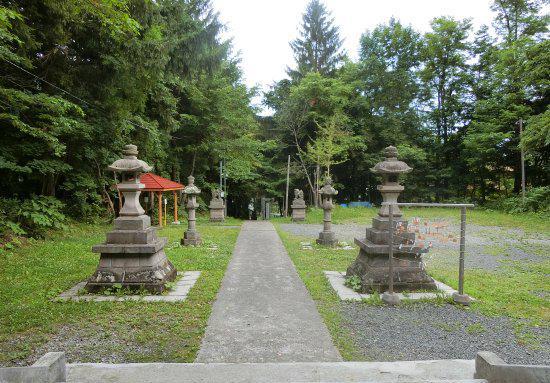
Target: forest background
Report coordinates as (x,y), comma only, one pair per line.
(80,79)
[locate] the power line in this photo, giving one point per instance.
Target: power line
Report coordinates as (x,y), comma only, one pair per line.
(67,92)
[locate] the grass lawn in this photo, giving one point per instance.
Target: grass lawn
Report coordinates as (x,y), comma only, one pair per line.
(30,323)
(518,290)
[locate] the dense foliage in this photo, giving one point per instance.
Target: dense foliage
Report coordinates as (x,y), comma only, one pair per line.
(450,100)
(79,79)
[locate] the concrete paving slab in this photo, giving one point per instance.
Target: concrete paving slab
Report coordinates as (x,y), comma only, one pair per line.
(338,278)
(177,294)
(263,312)
(381,372)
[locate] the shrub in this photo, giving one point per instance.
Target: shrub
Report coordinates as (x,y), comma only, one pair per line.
(536,200)
(33,216)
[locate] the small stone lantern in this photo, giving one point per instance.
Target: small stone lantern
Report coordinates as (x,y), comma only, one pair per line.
(372,263)
(191,236)
(132,256)
(327,236)
(298,206)
(217,207)
(390,169)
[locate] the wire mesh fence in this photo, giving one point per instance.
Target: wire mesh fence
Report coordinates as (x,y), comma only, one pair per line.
(417,236)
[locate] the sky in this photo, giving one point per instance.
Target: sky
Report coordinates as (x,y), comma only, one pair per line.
(262,29)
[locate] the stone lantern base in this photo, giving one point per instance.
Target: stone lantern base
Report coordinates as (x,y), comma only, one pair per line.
(372,263)
(133,256)
(327,238)
(298,212)
(217,213)
(191,238)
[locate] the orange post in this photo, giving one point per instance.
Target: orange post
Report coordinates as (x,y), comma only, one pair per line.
(175,206)
(159,196)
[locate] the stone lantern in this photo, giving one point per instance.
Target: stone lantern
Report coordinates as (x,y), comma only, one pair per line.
(327,236)
(191,235)
(217,207)
(133,256)
(372,263)
(298,206)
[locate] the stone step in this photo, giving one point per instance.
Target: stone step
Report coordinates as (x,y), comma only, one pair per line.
(433,371)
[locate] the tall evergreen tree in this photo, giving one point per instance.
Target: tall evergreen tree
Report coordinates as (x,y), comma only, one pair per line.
(319,47)
(515,89)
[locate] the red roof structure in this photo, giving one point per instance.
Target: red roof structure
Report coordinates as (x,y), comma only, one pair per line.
(154,182)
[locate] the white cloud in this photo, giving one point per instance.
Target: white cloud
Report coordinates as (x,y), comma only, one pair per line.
(262,29)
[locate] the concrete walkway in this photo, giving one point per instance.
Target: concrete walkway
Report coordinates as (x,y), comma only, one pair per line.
(263,312)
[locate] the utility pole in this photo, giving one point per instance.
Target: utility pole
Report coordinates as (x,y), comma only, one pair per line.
(287,182)
(520,123)
(221,175)
(225,189)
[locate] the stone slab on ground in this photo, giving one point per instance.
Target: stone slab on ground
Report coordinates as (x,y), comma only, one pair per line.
(177,294)
(408,371)
(263,312)
(338,278)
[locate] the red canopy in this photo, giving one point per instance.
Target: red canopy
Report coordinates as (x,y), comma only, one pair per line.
(153,182)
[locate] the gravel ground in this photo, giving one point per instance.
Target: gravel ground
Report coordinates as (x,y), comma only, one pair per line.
(487,247)
(423,331)
(89,343)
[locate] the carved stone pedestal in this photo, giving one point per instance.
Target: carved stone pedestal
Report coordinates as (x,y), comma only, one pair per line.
(298,206)
(217,207)
(132,256)
(372,264)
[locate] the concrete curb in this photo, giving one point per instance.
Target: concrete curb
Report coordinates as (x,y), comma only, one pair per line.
(337,279)
(490,367)
(178,294)
(50,368)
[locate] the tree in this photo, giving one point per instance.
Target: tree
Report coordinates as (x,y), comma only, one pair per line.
(89,77)
(445,73)
(331,144)
(516,88)
(319,47)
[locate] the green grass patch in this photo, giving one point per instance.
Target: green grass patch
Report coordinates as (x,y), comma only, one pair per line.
(128,331)
(528,222)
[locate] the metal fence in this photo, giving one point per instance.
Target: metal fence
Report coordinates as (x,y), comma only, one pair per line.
(459,297)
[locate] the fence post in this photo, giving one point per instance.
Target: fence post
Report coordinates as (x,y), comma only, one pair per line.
(460,297)
(389,296)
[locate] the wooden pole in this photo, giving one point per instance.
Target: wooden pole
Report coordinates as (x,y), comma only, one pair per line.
(287,182)
(175,206)
(159,196)
(165,210)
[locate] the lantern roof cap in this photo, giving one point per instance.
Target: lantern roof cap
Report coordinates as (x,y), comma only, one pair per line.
(391,165)
(130,163)
(327,188)
(191,188)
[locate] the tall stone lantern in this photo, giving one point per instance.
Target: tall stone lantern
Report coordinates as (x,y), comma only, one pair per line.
(372,263)
(191,235)
(327,236)
(132,256)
